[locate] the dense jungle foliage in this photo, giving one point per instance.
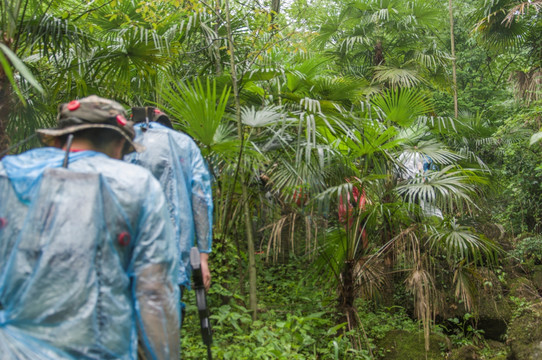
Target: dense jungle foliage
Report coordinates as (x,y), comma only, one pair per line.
(316,116)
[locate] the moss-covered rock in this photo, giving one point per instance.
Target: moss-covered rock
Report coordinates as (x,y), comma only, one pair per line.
(467,352)
(537,277)
(498,357)
(521,287)
(404,345)
(496,350)
(492,306)
(525,334)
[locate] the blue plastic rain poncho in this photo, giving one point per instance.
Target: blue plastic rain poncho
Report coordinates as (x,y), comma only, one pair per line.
(87,259)
(176,161)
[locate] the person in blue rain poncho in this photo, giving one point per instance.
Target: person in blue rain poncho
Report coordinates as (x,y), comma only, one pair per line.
(87,254)
(176,161)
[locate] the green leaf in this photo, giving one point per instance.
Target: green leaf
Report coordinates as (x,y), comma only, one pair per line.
(9,74)
(199,107)
(21,67)
(334,329)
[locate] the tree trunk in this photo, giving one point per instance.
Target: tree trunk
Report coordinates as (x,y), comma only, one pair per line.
(454,78)
(6,98)
(6,106)
(378,54)
(253,303)
(386,235)
(216,45)
(347,294)
(275,9)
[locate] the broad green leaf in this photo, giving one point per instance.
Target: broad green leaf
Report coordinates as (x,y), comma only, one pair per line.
(9,74)
(21,67)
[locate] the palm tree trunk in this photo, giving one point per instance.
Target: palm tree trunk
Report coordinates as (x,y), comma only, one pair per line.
(253,303)
(454,78)
(378,54)
(347,294)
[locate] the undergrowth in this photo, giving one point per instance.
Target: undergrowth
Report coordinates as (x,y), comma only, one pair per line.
(297,317)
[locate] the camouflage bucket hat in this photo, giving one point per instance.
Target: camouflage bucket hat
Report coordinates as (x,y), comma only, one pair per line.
(90,113)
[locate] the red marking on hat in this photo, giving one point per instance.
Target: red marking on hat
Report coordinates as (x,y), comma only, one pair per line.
(121,120)
(124,238)
(156,111)
(3,223)
(73,105)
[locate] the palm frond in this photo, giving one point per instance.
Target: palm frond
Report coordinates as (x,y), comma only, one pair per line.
(262,117)
(49,35)
(461,243)
(496,29)
(5,55)
(402,106)
(447,189)
(465,289)
(397,77)
(373,140)
(199,108)
(438,152)
(421,284)
(370,279)
(521,9)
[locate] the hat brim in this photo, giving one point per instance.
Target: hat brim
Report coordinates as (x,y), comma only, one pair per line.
(47,136)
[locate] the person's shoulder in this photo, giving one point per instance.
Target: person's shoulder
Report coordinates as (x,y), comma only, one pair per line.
(155,135)
(36,155)
(177,134)
(126,174)
(158,130)
(181,139)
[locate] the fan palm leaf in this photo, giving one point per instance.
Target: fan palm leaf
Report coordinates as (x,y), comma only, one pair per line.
(435,150)
(402,106)
(51,35)
(461,243)
(448,188)
(262,117)
(397,77)
(496,29)
(200,109)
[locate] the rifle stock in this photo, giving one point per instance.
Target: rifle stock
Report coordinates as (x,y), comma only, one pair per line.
(201,300)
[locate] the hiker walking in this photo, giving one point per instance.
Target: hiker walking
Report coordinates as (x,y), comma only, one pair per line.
(176,161)
(87,256)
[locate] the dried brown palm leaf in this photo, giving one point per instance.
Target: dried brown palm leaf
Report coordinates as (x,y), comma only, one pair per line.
(283,236)
(527,85)
(370,279)
(520,9)
(465,288)
(275,238)
(420,283)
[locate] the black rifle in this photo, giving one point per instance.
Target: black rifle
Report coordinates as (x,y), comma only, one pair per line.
(201,301)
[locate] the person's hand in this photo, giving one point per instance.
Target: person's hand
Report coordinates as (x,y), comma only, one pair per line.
(205,270)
